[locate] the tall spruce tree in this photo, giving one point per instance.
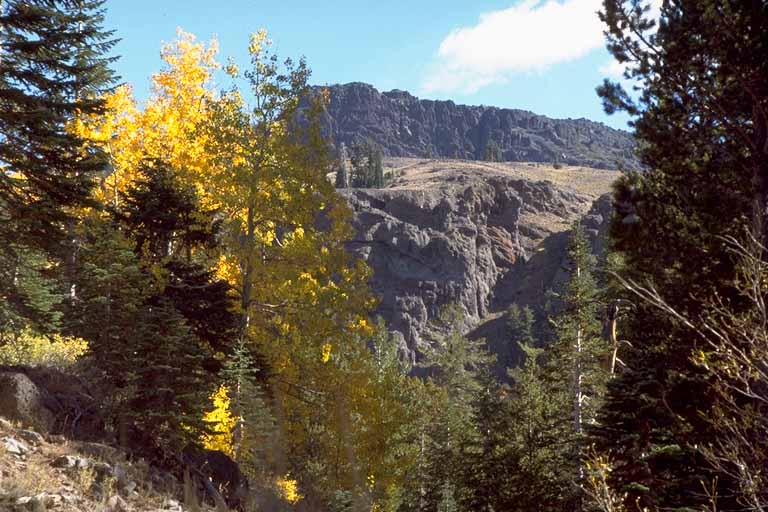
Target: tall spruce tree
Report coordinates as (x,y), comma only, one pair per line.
(153,312)
(539,458)
(700,118)
(575,361)
(451,431)
(489,466)
(54,67)
(176,238)
(342,168)
(520,323)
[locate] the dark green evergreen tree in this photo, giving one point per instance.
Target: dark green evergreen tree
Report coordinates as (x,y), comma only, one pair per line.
(152,311)
(520,324)
(177,239)
(489,466)
(53,67)
(700,119)
(253,435)
(377,166)
(575,362)
(367,165)
(342,168)
(540,457)
(33,299)
(451,433)
(493,152)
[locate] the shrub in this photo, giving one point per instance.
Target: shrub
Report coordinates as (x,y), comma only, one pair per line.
(31,349)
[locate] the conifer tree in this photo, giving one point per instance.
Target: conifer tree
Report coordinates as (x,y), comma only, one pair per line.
(176,238)
(33,299)
(342,168)
(54,67)
(540,457)
(451,430)
(489,467)
(520,323)
(575,360)
(700,119)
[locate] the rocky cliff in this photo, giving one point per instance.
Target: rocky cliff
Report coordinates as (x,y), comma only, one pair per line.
(406,126)
(467,233)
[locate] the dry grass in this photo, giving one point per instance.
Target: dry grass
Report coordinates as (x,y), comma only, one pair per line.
(84,490)
(418,173)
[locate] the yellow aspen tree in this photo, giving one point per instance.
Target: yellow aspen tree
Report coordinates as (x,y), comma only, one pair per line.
(165,129)
(303,302)
(117,131)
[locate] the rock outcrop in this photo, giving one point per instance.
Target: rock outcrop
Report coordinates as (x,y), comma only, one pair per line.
(406,126)
(459,233)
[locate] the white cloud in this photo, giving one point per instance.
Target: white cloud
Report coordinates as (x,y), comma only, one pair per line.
(613,69)
(530,36)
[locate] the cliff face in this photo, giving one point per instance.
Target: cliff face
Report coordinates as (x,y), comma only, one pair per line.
(406,126)
(451,232)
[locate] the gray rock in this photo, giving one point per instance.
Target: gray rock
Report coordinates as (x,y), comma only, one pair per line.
(117,504)
(39,503)
(71,462)
(407,126)
(15,447)
(31,437)
(450,242)
(171,504)
(103,471)
(21,400)
(129,487)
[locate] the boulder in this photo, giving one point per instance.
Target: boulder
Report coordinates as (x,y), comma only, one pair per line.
(71,462)
(15,447)
(23,401)
(31,437)
(117,504)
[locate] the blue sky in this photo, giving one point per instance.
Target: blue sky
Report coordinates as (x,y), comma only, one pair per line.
(546,56)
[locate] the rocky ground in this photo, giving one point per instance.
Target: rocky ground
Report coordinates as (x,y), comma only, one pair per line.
(55,455)
(478,234)
(51,473)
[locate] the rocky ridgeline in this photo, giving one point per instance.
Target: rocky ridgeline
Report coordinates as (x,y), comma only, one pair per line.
(456,233)
(406,126)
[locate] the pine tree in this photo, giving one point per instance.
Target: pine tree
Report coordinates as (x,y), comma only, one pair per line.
(520,323)
(253,435)
(176,238)
(575,362)
(33,299)
(143,272)
(342,168)
(539,455)
(489,466)
(700,119)
(377,167)
(451,431)
(53,68)
(167,386)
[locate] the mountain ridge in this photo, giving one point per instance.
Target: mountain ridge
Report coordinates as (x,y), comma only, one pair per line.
(407,126)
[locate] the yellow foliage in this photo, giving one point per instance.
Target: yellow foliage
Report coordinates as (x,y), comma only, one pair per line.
(288,489)
(30,349)
(221,422)
(326,356)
